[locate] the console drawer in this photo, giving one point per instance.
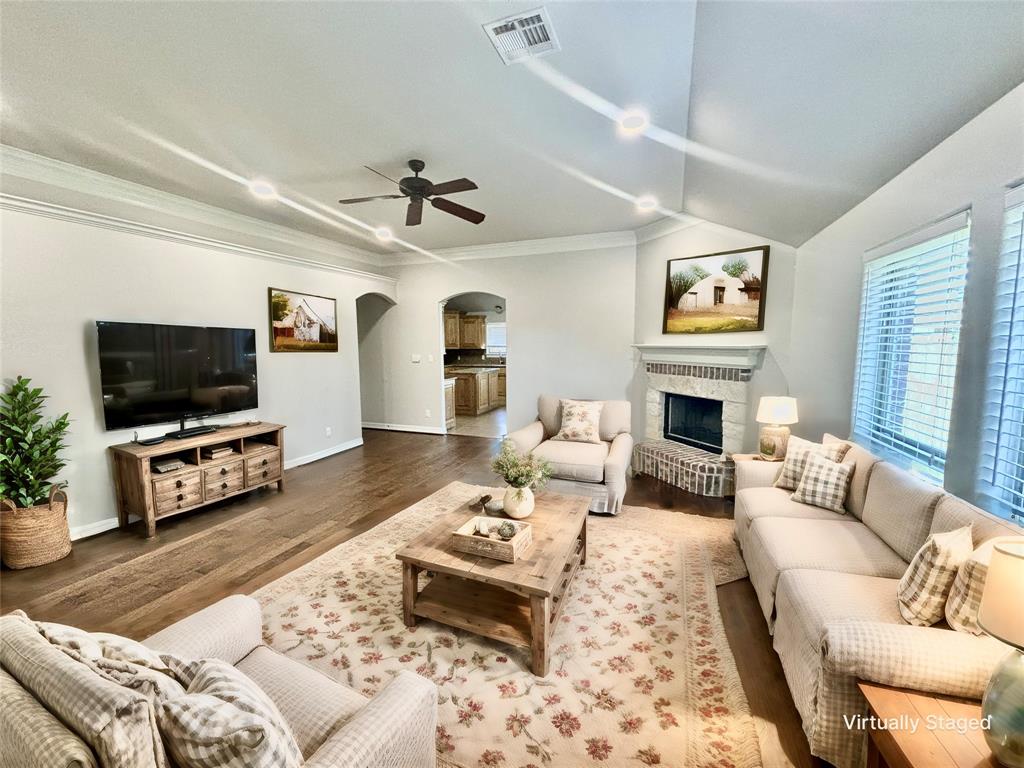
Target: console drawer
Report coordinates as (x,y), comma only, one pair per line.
(223,479)
(263,467)
(179,492)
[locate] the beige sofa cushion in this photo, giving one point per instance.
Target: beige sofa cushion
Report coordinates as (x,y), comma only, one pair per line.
(312,704)
(754,503)
(117,723)
(899,508)
(778,544)
(574,461)
(862,462)
(31,737)
(952,513)
(615,417)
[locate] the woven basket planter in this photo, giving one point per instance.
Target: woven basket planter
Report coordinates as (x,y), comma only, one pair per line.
(32,536)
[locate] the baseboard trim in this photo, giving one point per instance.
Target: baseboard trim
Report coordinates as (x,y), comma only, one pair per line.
(348,445)
(405,428)
(101,526)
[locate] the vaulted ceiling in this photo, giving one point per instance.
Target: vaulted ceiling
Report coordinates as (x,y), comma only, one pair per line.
(770,117)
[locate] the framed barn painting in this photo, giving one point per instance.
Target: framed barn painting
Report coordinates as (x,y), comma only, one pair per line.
(302,322)
(717,293)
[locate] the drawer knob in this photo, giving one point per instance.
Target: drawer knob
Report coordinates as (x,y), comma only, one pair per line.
(264,462)
(223,470)
(178,484)
(181,497)
(223,485)
(264,472)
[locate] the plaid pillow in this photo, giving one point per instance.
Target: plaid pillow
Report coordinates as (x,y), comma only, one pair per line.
(824,483)
(224,721)
(926,584)
(797,451)
(965,596)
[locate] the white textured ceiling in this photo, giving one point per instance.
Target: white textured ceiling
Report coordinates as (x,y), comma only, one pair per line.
(797,110)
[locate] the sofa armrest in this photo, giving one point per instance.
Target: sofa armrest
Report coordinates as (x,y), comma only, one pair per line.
(227,630)
(396,728)
(620,452)
(527,438)
(928,659)
(751,473)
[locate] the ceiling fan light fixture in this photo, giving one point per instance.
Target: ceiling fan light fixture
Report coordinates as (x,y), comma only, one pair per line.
(263,189)
(633,122)
(384,234)
(646,203)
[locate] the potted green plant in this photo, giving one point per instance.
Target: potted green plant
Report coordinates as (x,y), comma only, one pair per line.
(523,474)
(33,507)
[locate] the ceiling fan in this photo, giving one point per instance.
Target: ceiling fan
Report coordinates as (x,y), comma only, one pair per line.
(418,189)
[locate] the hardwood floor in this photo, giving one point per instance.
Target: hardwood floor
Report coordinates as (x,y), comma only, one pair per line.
(491,424)
(121,582)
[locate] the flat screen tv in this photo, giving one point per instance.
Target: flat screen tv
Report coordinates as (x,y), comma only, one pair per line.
(154,374)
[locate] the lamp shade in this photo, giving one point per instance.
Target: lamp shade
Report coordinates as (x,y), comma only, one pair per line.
(776,410)
(1002,603)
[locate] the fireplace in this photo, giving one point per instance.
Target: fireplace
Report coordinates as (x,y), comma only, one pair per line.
(694,421)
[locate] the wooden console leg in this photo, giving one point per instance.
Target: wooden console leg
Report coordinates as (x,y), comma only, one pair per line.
(583,540)
(410,586)
(540,628)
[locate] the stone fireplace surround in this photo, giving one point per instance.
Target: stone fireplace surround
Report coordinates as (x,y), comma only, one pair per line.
(728,381)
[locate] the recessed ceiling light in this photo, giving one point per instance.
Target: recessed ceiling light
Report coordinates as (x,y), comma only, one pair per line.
(263,189)
(383,233)
(646,203)
(633,122)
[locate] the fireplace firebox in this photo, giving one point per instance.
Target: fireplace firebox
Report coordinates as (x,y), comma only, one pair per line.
(694,421)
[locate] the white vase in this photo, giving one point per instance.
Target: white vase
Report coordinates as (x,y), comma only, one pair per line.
(518,502)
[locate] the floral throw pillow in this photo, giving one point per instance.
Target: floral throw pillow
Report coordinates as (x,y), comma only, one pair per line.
(580,421)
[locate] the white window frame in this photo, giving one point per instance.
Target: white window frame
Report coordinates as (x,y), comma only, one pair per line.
(496,350)
(908,347)
(1001,471)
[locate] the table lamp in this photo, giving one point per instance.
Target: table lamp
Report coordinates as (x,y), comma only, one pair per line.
(1001,615)
(773,414)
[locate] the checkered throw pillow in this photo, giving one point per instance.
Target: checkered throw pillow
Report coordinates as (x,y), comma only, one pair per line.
(965,596)
(797,452)
(224,721)
(926,584)
(824,483)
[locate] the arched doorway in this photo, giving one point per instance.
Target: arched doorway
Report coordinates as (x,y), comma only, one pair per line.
(374,383)
(475,349)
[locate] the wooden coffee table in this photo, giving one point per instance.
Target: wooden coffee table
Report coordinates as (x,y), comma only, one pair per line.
(516,603)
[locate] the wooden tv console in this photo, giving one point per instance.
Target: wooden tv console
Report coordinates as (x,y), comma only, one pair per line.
(255,461)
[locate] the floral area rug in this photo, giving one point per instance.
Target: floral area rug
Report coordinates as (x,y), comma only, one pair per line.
(641,671)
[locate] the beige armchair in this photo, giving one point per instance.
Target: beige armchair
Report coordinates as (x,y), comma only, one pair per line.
(597,470)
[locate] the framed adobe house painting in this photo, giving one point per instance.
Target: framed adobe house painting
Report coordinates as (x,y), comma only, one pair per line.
(302,322)
(717,293)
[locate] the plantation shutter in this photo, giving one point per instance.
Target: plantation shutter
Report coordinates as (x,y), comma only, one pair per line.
(911,306)
(1002,465)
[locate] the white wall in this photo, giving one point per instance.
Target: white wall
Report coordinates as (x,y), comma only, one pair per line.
(570,327)
(969,169)
(697,240)
(59,277)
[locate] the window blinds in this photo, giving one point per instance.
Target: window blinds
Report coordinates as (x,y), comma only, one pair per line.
(1002,466)
(497,338)
(911,306)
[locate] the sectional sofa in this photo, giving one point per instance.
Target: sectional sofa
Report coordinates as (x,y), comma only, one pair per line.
(827,584)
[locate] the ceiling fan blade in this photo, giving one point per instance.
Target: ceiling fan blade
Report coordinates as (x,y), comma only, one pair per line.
(451,187)
(414,213)
(457,210)
(366,199)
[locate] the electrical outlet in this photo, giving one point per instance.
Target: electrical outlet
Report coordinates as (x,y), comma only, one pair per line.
(416,358)
(427,413)
(328,431)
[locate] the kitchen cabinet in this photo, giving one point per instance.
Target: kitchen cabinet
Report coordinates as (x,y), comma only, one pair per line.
(452,330)
(501,386)
(473,389)
(472,332)
(493,395)
(465,394)
(483,399)
(449,403)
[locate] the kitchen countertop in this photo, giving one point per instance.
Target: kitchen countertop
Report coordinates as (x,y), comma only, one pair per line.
(471,369)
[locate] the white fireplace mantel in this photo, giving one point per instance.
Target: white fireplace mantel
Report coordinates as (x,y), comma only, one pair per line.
(722,355)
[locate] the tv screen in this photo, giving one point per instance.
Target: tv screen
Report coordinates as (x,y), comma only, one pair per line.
(153,374)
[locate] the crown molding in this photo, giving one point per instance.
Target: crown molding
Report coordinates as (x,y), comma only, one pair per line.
(666,226)
(545,245)
(64,213)
(18,163)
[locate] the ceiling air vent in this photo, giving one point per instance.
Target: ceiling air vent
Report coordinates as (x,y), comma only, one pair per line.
(523,36)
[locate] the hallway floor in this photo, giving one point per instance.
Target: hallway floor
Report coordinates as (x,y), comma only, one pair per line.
(491,424)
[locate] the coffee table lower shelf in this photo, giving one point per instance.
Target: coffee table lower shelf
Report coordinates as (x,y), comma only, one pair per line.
(492,611)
